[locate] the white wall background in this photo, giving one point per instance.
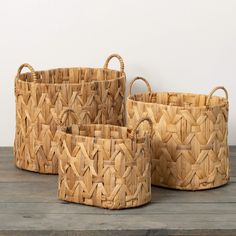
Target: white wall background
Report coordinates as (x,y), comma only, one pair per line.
(178,45)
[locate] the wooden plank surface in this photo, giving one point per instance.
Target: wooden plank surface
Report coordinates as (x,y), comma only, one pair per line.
(29,206)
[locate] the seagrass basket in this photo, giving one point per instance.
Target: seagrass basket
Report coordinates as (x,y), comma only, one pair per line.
(104,165)
(189,145)
(96,95)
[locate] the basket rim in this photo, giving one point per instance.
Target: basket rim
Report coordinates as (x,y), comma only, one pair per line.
(130,98)
(79,68)
(128,130)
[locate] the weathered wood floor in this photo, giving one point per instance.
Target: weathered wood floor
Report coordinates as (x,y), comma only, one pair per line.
(29,206)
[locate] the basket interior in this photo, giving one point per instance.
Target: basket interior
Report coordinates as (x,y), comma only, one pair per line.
(72,75)
(99,131)
(178,99)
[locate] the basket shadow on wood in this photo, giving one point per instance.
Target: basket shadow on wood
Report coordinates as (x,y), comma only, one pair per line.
(95,94)
(104,165)
(189,146)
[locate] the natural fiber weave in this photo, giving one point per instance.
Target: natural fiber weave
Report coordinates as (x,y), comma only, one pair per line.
(104,165)
(96,95)
(189,148)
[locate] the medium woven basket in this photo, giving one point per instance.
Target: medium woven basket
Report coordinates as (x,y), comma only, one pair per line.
(105,166)
(96,95)
(189,146)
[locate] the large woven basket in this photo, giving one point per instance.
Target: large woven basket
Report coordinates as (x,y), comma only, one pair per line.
(97,96)
(189,146)
(105,166)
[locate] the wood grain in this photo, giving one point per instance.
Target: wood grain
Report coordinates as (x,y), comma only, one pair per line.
(29,206)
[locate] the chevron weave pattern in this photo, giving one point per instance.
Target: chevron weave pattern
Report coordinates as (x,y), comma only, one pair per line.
(103,165)
(96,95)
(189,146)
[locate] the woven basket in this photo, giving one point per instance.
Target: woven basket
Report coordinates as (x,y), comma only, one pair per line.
(97,95)
(105,166)
(189,146)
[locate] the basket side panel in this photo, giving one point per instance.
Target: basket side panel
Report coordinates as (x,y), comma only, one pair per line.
(189,146)
(38,109)
(105,173)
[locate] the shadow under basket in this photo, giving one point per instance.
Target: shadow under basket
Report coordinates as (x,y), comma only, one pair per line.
(189,145)
(95,94)
(105,166)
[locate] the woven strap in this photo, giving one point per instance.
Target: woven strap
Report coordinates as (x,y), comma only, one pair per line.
(139,78)
(134,131)
(122,65)
(25,65)
(60,121)
(213,91)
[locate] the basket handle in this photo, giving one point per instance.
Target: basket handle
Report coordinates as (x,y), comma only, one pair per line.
(139,78)
(214,90)
(26,65)
(133,133)
(122,65)
(60,121)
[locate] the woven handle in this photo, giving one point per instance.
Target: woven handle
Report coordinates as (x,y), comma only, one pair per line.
(122,65)
(25,65)
(61,122)
(214,90)
(139,78)
(133,133)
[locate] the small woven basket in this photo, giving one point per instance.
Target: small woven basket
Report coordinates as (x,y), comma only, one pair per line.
(189,146)
(103,165)
(96,95)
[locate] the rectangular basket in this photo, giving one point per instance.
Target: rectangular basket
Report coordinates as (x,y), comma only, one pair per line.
(96,94)
(189,146)
(103,165)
